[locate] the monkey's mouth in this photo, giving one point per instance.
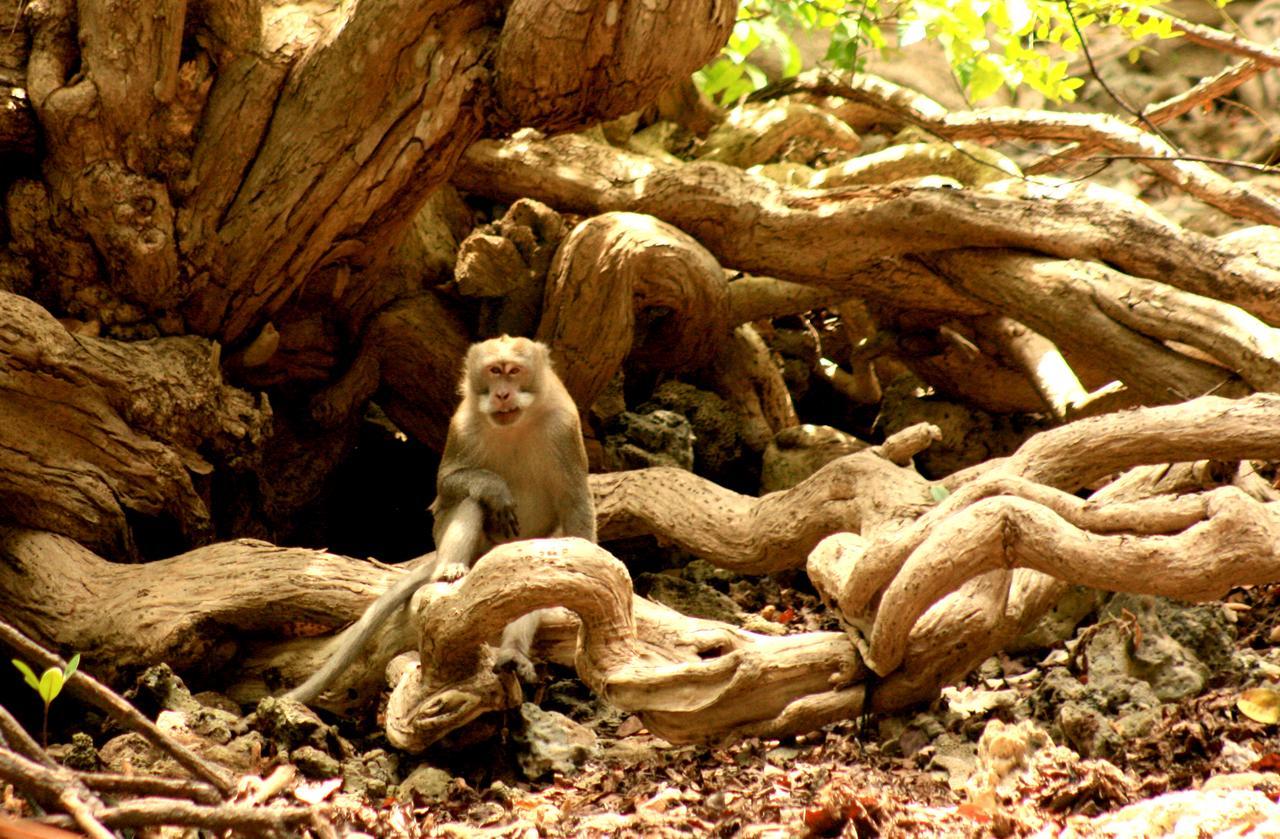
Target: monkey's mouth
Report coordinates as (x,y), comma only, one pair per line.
(505,417)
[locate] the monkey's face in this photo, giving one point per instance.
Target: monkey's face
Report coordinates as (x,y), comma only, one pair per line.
(504,375)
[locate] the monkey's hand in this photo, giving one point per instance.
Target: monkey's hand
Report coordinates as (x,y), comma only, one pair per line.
(489,491)
(500,521)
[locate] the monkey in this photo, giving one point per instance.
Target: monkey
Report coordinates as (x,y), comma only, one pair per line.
(514,467)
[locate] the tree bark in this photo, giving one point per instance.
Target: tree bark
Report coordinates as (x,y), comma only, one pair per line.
(96,430)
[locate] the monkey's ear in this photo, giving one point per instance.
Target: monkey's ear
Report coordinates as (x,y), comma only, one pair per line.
(542,353)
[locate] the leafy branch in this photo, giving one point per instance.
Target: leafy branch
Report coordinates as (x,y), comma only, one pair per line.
(990,45)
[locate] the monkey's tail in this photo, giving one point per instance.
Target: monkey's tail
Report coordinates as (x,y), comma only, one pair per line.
(460,539)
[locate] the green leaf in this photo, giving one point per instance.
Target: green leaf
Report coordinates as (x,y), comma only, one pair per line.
(939,492)
(792,62)
(50,684)
(989,43)
(72,665)
(986,79)
(720,76)
(28,674)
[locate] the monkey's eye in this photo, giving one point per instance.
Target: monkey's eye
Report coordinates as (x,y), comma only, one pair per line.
(515,370)
(495,370)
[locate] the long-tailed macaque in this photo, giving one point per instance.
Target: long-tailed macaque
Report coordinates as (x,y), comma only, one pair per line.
(514,467)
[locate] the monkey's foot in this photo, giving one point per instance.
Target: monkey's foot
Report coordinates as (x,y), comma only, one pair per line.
(448,572)
(509,659)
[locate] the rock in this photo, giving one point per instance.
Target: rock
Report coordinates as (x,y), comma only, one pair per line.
(1096,718)
(656,438)
(315,763)
(220,701)
(132,753)
(1060,622)
(1193,813)
(1004,749)
(425,784)
(291,724)
(1087,730)
(372,774)
(1152,655)
(688,598)
(79,754)
(957,757)
(718,450)
(1203,629)
(969,435)
(1242,780)
(550,742)
(159,688)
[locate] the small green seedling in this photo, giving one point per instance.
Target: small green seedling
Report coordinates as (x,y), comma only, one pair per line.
(48,686)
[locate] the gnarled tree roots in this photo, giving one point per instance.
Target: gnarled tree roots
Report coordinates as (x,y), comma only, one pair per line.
(687,679)
(929,579)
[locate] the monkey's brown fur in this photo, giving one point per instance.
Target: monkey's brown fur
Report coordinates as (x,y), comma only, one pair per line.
(514,467)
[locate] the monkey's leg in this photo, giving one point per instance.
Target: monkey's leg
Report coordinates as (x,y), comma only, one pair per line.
(461,539)
(517,640)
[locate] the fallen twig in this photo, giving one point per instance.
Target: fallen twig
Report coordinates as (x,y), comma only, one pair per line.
(55,789)
(99,695)
(197,791)
(15,737)
(238,817)
(1112,133)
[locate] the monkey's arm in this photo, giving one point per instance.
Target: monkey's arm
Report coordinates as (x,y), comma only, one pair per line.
(354,639)
(580,518)
(488,489)
(577,510)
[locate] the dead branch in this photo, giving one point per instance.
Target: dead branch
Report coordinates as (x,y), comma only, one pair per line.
(237,818)
(1207,90)
(410,352)
(624,284)
(1092,312)
(756,298)
(1021,513)
(1232,542)
(746,376)
(545,58)
(110,782)
(14,737)
(756,225)
(96,428)
(758,685)
(197,602)
(1075,455)
(250,586)
(1112,133)
(1040,361)
(55,788)
(1264,54)
(758,535)
(90,690)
